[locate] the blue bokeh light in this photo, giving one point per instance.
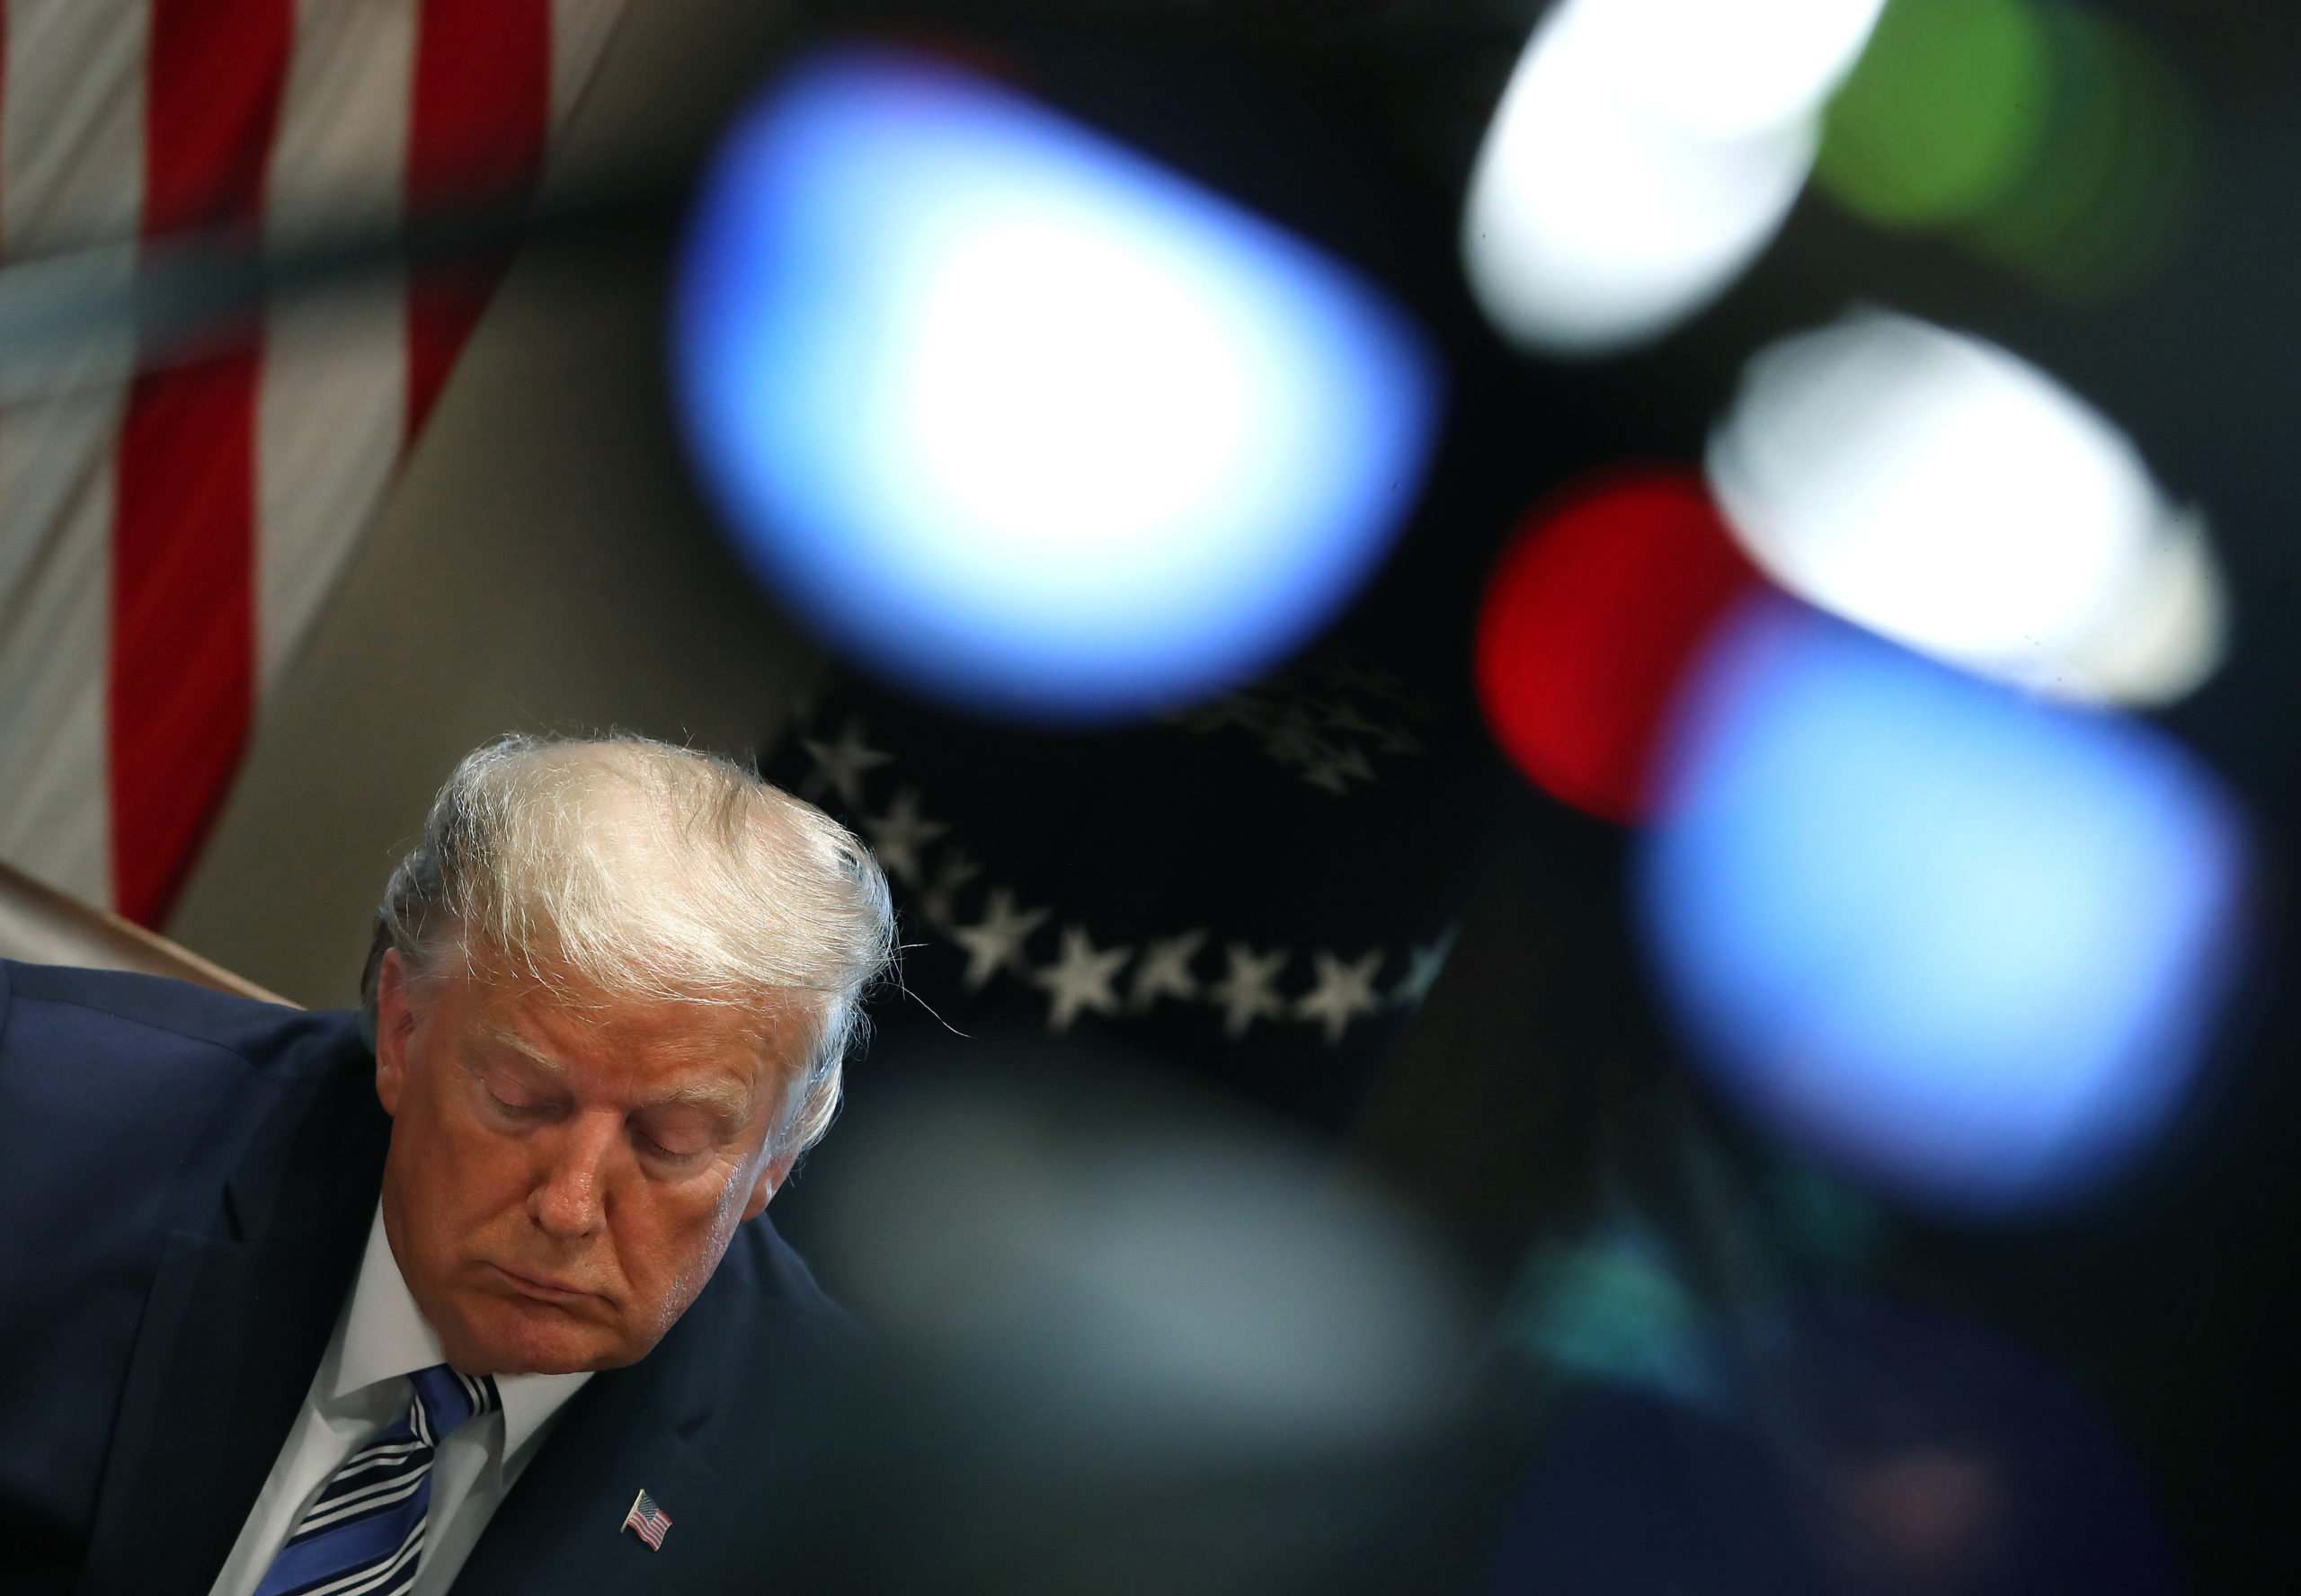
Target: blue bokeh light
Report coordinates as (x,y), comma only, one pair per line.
(1020,419)
(1968,944)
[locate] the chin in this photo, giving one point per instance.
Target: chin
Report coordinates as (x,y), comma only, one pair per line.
(510,1337)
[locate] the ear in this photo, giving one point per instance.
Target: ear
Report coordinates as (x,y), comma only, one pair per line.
(771,1176)
(395,1024)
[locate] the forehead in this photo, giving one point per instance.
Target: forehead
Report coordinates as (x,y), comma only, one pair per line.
(620,1047)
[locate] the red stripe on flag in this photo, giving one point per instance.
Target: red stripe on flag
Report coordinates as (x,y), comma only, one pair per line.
(183,652)
(476,127)
(182,620)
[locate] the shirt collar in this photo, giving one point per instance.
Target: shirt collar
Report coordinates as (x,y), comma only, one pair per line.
(388,1336)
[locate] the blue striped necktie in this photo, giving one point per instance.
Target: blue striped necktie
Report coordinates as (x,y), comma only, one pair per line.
(363,1534)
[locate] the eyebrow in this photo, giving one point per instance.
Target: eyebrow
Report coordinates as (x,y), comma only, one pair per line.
(730,1100)
(511,1041)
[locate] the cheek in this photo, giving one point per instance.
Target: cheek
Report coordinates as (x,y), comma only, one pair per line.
(670,1239)
(473,1175)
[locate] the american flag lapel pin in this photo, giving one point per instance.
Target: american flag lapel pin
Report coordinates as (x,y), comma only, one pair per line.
(652,1522)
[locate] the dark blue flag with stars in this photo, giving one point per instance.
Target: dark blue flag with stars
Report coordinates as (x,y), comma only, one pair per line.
(1258,890)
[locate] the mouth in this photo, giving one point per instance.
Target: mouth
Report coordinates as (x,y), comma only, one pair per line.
(538,1288)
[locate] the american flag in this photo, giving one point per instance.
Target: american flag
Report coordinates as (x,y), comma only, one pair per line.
(1260,891)
(650,1520)
(167,534)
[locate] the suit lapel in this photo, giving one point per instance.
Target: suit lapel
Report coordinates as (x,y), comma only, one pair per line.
(560,1528)
(704,1402)
(624,1432)
(232,1334)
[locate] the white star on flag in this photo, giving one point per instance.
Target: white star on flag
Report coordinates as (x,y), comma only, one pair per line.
(940,901)
(995,941)
(1165,970)
(898,834)
(1334,768)
(1295,742)
(1423,965)
(1398,740)
(1080,978)
(1247,991)
(1342,992)
(842,764)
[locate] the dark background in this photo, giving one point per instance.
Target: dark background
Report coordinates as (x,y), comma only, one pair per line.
(1528,1090)
(2170,1301)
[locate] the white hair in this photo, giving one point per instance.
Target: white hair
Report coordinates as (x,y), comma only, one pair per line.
(625,868)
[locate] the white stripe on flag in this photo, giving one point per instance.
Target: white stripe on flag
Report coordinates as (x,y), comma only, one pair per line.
(333,400)
(73,140)
(333,403)
(579,33)
(55,502)
(71,175)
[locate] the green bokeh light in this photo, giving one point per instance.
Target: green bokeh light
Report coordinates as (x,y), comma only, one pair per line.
(1943,114)
(2103,201)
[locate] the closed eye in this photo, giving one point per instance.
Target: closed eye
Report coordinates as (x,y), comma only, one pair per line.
(684,1146)
(517,1110)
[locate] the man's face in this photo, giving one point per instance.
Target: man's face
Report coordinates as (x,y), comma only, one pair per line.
(563,1179)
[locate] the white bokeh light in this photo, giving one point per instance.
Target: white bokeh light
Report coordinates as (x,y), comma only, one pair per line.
(1020,419)
(1045,354)
(1727,69)
(1943,492)
(1643,154)
(2164,636)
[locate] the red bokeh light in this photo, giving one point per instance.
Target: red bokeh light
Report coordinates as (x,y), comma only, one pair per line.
(1591,616)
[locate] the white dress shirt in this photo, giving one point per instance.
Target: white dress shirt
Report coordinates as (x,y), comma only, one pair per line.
(361,1386)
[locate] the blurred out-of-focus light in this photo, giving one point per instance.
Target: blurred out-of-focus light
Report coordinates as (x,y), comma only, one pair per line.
(1877,1450)
(1590,617)
(1643,154)
(1612,1306)
(1964,944)
(1020,419)
(2043,136)
(1939,489)
(1144,1284)
(1942,114)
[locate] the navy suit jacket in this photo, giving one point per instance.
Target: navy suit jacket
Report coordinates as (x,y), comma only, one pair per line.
(186,1185)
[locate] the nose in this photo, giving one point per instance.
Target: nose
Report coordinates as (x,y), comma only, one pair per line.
(567,1199)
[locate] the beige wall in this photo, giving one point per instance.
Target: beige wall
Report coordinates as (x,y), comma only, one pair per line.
(542,562)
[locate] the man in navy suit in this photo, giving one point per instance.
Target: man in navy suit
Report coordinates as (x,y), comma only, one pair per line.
(472,1288)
